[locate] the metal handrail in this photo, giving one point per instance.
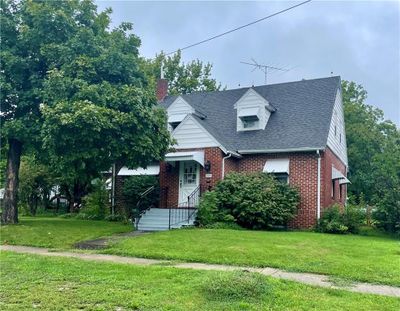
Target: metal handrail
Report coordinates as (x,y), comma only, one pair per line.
(142,195)
(185,210)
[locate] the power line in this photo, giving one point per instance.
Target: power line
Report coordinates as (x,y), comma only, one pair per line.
(240,27)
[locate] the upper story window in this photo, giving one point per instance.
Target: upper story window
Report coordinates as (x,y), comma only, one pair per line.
(249,118)
(253,111)
(249,123)
(173,125)
(177,111)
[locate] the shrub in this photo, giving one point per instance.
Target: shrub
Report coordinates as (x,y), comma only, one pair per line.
(255,201)
(239,285)
(333,220)
(354,217)
(133,187)
(387,214)
(96,204)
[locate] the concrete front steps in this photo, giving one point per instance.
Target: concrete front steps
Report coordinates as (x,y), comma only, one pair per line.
(157,219)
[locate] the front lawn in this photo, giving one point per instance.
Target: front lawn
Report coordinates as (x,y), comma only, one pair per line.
(57,232)
(362,258)
(33,282)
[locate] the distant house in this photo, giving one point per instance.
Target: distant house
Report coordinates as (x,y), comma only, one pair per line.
(293,130)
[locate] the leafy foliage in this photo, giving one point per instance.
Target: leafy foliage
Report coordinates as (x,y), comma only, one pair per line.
(35,185)
(96,203)
(374,156)
(255,201)
(371,143)
(182,78)
(387,214)
(333,220)
(134,186)
(72,88)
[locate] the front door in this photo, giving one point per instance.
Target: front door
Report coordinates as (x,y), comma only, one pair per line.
(189,179)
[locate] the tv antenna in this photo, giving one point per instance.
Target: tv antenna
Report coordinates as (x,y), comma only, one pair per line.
(264,68)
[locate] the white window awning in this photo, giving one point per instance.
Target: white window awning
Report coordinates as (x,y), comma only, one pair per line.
(344,181)
(176,118)
(338,175)
(277,166)
(150,170)
(249,112)
(197,156)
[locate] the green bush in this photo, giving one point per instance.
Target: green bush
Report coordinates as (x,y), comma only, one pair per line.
(333,220)
(96,204)
(239,285)
(134,186)
(254,201)
(387,214)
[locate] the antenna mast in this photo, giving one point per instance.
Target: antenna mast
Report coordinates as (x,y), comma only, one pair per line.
(263,68)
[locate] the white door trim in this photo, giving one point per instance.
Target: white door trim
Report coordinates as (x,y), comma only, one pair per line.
(185,190)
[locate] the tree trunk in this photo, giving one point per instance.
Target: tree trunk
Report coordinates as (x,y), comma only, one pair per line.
(10,209)
(79,190)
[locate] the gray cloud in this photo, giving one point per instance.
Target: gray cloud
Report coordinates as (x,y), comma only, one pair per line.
(357,40)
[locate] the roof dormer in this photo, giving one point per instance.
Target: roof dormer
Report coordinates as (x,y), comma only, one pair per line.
(253,111)
(177,111)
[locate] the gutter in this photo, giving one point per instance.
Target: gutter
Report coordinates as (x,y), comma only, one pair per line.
(305,149)
(223,163)
(318,186)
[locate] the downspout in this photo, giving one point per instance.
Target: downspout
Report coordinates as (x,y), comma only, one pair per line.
(319,186)
(223,164)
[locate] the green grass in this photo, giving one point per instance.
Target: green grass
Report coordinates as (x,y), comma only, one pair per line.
(34,282)
(57,232)
(351,257)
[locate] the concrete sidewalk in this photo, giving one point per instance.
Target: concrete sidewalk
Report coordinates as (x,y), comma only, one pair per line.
(305,278)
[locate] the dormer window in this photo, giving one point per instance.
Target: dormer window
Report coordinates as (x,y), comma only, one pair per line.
(174,125)
(248,124)
(249,117)
(253,111)
(178,111)
(250,121)
(175,120)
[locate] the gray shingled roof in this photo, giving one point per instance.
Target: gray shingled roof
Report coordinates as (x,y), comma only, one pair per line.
(301,120)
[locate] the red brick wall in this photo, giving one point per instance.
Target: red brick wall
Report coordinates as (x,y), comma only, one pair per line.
(302,175)
(170,179)
(328,160)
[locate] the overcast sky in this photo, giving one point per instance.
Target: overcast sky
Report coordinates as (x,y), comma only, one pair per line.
(358,40)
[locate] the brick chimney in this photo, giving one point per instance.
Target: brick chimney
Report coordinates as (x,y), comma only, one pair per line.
(162,89)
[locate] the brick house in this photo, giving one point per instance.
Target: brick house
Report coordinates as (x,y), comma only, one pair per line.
(293,130)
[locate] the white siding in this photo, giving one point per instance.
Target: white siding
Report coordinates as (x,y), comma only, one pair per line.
(251,99)
(190,134)
(179,107)
(337,142)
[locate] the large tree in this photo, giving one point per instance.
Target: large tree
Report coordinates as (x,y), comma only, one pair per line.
(371,142)
(183,78)
(73,87)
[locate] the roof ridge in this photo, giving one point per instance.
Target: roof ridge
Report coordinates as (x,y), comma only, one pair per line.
(253,86)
